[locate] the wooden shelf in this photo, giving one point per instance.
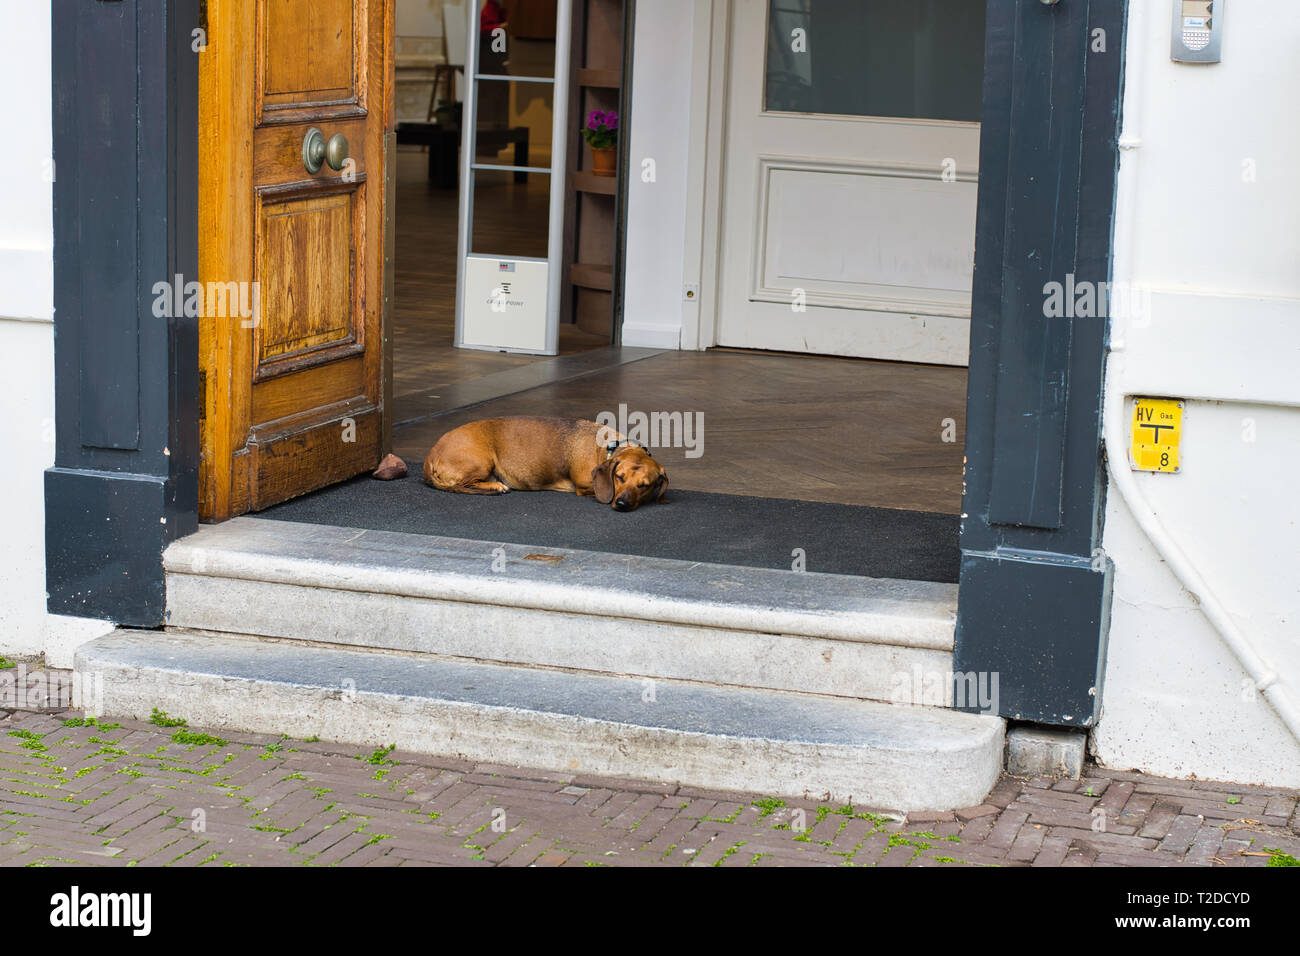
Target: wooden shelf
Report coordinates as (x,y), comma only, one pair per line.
(592,276)
(593,204)
(587,182)
(609,79)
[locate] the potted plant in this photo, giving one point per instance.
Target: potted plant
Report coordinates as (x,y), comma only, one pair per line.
(601,134)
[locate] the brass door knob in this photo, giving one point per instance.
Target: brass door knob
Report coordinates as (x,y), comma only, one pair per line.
(315,150)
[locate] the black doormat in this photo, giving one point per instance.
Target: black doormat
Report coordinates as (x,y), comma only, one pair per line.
(689,526)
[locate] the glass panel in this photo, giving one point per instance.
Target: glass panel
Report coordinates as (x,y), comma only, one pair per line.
(522,44)
(909,58)
(514,123)
(511,218)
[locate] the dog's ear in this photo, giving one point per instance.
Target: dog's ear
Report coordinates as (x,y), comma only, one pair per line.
(602,481)
(663,486)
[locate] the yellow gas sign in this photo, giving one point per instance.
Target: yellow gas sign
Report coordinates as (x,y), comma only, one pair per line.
(1157,434)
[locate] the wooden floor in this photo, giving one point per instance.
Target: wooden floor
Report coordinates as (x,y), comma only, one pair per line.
(424,275)
(850,431)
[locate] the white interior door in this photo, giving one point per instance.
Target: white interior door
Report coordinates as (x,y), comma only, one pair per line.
(848,217)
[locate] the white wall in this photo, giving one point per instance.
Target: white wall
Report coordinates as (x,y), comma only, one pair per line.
(663,88)
(27,340)
(26,214)
(418,48)
(1207,220)
(26,329)
(419,18)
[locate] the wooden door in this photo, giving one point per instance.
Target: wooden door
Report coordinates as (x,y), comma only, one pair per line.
(292,379)
(850,178)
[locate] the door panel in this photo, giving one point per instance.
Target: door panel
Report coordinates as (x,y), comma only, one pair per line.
(293,396)
(305,258)
(309,47)
(311,52)
(847,231)
(315,388)
(922,262)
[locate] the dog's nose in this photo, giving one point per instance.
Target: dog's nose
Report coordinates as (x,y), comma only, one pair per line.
(622,502)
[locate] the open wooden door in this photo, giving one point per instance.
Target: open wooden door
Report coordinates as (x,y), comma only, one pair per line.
(293,371)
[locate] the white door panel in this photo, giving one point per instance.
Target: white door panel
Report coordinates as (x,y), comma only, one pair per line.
(862,236)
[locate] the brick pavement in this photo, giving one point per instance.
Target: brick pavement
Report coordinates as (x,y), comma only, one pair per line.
(125,792)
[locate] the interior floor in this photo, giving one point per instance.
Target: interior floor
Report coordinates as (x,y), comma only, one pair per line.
(811,428)
(845,431)
(424,278)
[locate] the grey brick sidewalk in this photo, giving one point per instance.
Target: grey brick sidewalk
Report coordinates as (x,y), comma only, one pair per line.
(121,793)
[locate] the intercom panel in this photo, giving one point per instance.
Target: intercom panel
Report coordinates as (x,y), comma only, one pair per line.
(1197,31)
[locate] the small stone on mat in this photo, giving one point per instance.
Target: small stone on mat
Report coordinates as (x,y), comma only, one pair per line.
(391,467)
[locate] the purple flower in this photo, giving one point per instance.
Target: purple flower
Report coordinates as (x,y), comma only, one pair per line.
(600,119)
(601,130)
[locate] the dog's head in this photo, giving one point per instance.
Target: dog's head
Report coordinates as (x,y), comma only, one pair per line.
(629,478)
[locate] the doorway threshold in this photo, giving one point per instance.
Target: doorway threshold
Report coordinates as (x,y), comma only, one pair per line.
(419,406)
(778,534)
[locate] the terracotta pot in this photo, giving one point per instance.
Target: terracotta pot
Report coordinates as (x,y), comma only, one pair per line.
(604,161)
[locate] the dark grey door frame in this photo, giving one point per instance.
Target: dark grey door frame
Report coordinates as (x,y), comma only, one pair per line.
(1034,596)
(125,475)
(1034,591)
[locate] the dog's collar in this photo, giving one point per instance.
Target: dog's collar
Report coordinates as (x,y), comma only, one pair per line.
(614,445)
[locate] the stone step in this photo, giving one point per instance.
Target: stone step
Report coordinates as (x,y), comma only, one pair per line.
(771,742)
(831,634)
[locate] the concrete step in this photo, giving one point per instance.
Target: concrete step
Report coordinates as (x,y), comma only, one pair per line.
(772,742)
(864,638)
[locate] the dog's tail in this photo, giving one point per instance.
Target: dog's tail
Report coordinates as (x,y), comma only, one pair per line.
(430,473)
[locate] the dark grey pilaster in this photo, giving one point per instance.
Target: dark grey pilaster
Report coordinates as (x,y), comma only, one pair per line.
(125,478)
(1034,597)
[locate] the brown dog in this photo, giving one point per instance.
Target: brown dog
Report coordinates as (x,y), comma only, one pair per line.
(522,453)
